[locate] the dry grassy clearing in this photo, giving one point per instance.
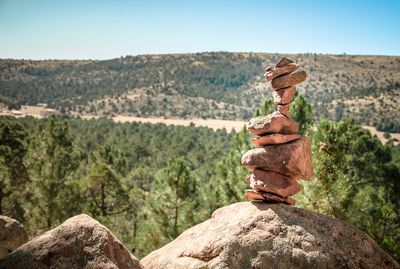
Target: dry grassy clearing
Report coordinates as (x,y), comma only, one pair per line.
(210,123)
(380,134)
(229,125)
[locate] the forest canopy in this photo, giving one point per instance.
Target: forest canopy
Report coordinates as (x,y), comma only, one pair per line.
(148,183)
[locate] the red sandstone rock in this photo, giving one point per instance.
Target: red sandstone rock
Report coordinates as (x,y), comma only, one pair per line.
(268,69)
(284,109)
(272,124)
(290,201)
(283,96)
(275,198)
(284,61)
(259,195)
(288,80)
(276,72)
(274,139)
(253,195)
(274,183)
(272,198)
(292,159)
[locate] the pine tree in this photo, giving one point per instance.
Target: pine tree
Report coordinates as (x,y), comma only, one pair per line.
(266,108)
(354,181)
(52,161)
(301,112)
(170,202)
(13,172)
(103,186)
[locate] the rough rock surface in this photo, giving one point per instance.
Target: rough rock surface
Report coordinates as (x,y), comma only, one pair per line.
(292,159)
(80,242)
(276,72)
(288,80)
(12,235)
(254,195)
(261,235)
(284,110)
(274,139)
(269,197)
(283,96)
(272,124)
(284,61)
(273,182)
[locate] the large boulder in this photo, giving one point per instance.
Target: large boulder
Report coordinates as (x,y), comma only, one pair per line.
(80,242)
(12,235)
(261,235)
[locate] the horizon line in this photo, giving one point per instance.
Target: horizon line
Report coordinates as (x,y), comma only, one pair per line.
(193,53)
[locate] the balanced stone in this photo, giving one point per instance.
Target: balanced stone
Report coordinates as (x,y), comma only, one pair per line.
(253,195)
(272,124)
(288,80)
(284,61)
(268,69)
(276,72)
(274,139)
(273,182)
(292,159)
(275,198)
(284,109)
(283,96)
(258,195)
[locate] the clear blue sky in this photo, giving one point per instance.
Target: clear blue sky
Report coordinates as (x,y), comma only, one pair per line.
(72,29)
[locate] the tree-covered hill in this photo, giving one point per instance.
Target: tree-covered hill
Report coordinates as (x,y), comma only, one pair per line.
(209,85)
(148,183)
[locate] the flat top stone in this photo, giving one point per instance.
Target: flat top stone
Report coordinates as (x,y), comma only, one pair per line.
(274,139)
(276,72)
(282,62)
(272,124)
(268,197)
(288,80)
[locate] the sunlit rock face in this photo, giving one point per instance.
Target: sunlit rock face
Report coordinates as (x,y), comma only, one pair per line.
(265,235)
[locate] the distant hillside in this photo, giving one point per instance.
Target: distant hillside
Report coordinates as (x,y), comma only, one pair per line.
(209,85)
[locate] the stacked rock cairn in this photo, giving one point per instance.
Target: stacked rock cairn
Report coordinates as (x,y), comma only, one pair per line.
(283,156)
